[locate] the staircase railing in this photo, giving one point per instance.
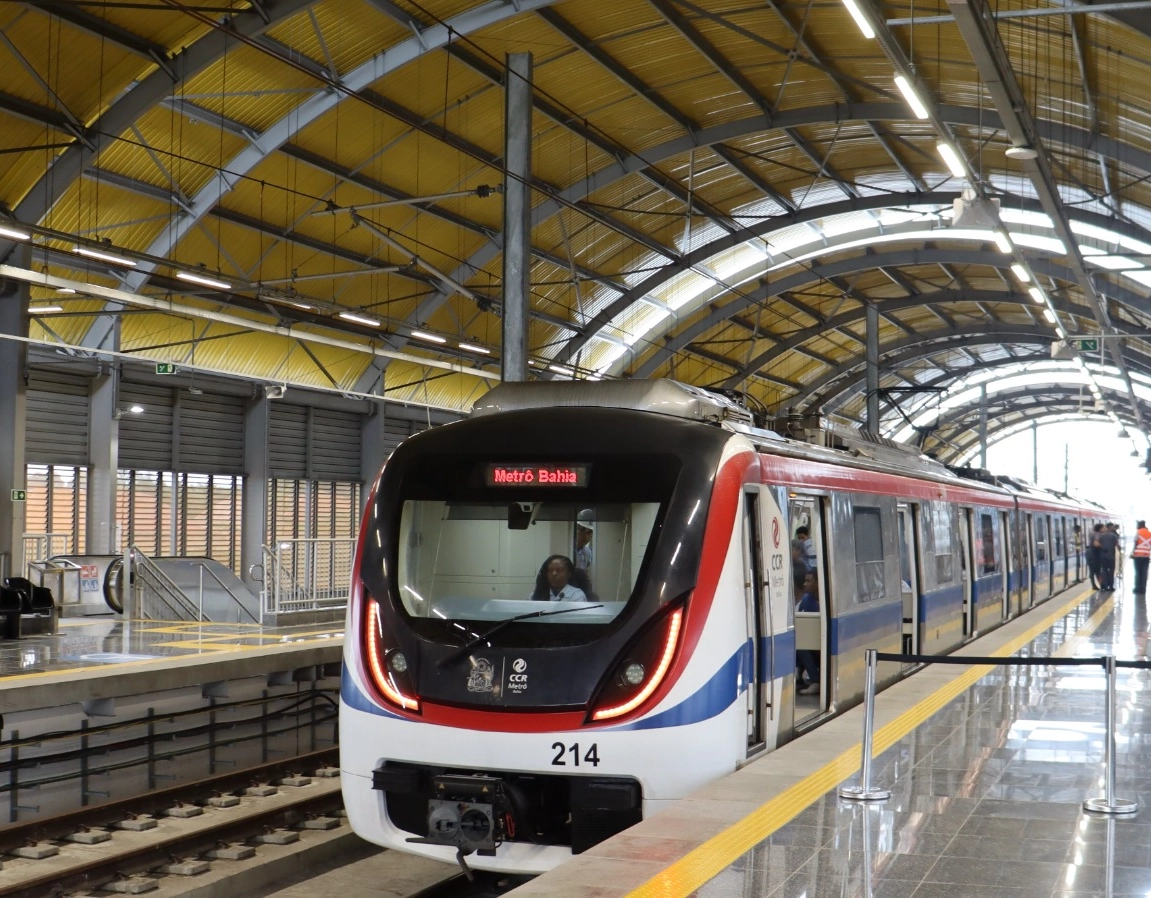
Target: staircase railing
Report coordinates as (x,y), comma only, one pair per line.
(157,596)
(307,575)
(204,569)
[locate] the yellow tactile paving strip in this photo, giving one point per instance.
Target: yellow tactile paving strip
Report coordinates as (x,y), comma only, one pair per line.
(703,863)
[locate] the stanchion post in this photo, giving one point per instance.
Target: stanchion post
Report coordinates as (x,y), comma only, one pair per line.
(1109,804)
(864,791)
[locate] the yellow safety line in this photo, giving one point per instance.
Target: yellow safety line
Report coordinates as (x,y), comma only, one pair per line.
(707,860)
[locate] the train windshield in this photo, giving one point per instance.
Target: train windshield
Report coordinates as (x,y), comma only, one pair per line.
(492,560)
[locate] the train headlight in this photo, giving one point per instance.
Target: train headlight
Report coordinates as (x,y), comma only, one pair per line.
(389,678)
(633,674)
(642,666)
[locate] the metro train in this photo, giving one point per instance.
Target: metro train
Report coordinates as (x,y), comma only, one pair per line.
(481,724)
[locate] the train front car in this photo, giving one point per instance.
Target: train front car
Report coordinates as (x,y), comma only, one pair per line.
(533,662)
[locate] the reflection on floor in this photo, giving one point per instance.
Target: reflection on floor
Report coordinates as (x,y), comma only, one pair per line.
(987,794)
(85,643)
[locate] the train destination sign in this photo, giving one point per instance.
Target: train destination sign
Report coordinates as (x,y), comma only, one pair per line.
(537,475)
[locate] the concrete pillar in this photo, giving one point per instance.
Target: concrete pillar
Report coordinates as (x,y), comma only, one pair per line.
(373,450)
(103,460)
(517,216)
(13,364)
(871,423)
(983,425)
(254,515)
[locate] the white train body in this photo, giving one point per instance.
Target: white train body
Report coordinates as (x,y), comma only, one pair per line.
(520,742)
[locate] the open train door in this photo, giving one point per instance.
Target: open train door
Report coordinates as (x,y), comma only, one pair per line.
(909,574)
(967,529)
(756,567)
(813,658)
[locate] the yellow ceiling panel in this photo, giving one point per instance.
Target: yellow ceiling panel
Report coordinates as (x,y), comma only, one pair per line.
(352,33)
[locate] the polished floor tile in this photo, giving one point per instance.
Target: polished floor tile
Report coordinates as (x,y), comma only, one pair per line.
(988,793)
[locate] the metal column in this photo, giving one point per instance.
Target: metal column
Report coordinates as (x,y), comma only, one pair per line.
(13,362)
(103,460)
(254,512)
(373,450)
(871,425)
(517,216)
(983,425)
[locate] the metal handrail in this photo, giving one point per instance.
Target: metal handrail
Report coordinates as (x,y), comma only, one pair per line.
(204,569)
(290,588)
(176,601)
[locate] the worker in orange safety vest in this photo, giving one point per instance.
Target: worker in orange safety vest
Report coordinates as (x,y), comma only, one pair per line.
(1142,556)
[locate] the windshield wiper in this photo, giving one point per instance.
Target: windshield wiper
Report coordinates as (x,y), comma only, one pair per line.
(483,637)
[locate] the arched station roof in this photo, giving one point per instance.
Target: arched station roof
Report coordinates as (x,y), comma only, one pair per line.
(720,193)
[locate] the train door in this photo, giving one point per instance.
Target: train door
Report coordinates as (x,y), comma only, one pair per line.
(759,668)
(1008,561)
(813,662)
(1029,551)
(909,575)
(970,575)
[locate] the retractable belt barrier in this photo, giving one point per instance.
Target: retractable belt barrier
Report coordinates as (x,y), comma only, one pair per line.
(1105,804)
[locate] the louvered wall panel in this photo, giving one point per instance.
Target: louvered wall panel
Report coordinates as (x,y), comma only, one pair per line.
(396,430)
(56,418)
(211,434)
(335,445)
(146,438)
(288,441)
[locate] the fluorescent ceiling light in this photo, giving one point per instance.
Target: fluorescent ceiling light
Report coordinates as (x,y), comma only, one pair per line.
(35,310)
(1050,316)
(431,338)
(104,257)
(359,319)
(65,290)
(1020,272)
(912,98)
(951,159)
(13,234)
(1002,241)
(471,347)
(1036,294)
(204,281)
(860,19)
(137,410)
(560,369)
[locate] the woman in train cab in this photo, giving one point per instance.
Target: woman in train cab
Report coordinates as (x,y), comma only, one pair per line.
(806,660)
(553,582)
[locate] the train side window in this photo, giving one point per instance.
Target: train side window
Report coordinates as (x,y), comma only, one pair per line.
(988,544)
(870,577)
(1058,528)
(942,530)
(1040,538)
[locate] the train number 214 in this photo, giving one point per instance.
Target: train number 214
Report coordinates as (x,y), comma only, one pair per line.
(591,756)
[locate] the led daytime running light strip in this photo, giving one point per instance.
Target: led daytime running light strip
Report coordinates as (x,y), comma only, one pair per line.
(656,678)
(376,662)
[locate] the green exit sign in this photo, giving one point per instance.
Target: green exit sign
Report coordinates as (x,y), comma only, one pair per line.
(19,495)
(1085,344)
(165,367)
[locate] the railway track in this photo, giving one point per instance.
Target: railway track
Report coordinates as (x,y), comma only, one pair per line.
(137,845)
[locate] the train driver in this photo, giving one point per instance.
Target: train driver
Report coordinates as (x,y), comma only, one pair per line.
(553,582)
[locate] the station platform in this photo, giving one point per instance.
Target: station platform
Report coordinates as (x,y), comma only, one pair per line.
(988,769)
(104,658)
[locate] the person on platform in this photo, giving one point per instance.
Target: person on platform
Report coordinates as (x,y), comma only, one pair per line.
(1141,555)
(1108,540)
(1093,555)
